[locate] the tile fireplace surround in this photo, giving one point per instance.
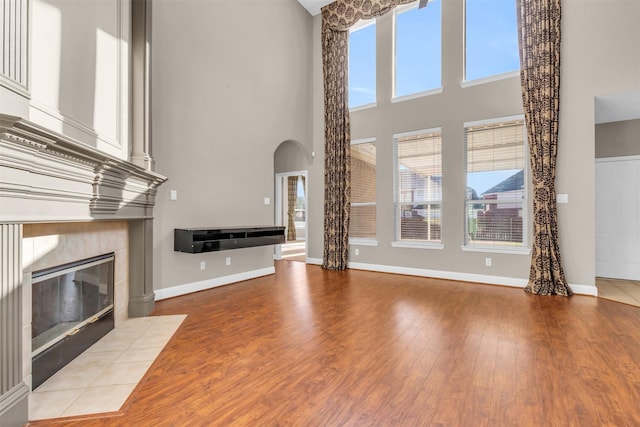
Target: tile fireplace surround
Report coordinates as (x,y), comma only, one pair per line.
(61,201)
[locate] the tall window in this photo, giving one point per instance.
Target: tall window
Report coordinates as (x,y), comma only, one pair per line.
(418,185)
(496,203)
(363,189)
(418,49)
(491,38)
(362,64)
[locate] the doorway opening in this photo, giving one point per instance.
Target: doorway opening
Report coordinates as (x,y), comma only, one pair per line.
(617,191)
(291,212)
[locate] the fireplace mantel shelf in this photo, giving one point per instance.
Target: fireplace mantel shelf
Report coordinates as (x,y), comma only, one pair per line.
(45,176)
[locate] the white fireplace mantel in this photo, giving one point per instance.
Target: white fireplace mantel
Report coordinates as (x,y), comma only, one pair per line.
(48,177)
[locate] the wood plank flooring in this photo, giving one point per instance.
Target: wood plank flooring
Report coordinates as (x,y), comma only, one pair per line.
(309,347)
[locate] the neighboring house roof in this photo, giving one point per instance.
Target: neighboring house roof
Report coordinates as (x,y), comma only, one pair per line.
(513,183)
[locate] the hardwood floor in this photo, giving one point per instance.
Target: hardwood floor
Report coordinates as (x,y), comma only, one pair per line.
(310,347)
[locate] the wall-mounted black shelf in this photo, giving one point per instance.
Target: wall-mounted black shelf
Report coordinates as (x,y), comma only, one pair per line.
(197,240)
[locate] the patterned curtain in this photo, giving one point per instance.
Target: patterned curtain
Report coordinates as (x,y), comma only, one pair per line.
(539,33)
(337,18)
(292,191)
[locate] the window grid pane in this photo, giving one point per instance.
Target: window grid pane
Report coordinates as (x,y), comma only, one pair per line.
(363,191)
(418,172)
(363,221)
(496,184)
(418,49)
(491,38)
(362,65)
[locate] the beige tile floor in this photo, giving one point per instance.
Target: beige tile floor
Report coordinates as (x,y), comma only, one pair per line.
(102,378)
(625,291)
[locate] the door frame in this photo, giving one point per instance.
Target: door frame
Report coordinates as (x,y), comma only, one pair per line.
(279,204)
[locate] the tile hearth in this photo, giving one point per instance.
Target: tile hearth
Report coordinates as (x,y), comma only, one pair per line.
(102,378)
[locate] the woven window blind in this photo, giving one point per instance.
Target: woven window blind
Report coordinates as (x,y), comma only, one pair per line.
(418,181)
(496,183)
(363,190)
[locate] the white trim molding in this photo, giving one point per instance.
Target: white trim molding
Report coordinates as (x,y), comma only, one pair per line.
(50,177)
(14,46)
(187,288)
(584,289)
(618,159)
(463,277)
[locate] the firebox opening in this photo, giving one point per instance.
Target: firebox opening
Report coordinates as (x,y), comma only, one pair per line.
(72,309)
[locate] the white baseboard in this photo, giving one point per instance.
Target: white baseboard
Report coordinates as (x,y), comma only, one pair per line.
(316,261)
(463,277)
(583,289)
(438,274)
(188,288)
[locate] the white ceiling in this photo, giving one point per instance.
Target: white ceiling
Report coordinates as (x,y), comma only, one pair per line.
(313,6)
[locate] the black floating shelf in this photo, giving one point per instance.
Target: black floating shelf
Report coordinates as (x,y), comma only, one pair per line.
(197,240)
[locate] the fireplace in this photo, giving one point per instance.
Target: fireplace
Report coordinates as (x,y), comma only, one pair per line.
(72,308)
(62,201)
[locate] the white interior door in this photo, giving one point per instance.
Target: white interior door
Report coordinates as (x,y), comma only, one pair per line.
(618,217)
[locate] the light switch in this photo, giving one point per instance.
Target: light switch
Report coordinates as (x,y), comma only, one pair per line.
(562,198)
(267,201)
(173,195)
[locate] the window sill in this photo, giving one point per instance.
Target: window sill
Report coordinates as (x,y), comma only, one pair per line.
(494,78)
(497,250)
(363,107)
(417,245)
(430,92)
(362,242)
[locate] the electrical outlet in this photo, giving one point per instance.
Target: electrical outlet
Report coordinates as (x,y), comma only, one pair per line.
(173,195)
(228,261)
(487,262)
(203,265)
(356,251)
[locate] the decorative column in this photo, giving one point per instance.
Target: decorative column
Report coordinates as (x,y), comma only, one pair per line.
(141,84)
(14,393)
(141,295)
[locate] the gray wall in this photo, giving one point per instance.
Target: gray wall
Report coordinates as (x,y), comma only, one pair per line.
(618,139)
(593,63)
(231,82)
(223,104)
(291,156)
(448,110)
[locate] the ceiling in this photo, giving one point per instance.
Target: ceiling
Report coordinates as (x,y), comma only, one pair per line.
(313,6)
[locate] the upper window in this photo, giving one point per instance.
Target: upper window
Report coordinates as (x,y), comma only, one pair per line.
(362,64)
(418,51)
(363,189)
(418,185)
(491,38)
(496,203)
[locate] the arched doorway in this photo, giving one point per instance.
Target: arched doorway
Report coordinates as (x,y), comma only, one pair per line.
(291,164)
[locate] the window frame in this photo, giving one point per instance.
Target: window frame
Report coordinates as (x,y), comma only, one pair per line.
(524,248)
(366,241)
(397,241)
